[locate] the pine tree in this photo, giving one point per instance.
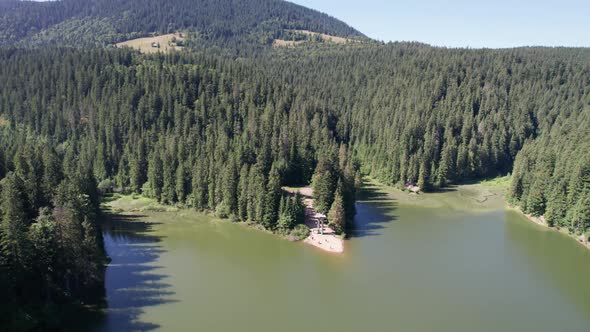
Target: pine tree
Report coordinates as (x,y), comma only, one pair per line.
(199,187)
(272,199)
(169,179)
(286,215)
(243,193)
(14,220)
(581,214)
(423,177)
(43,248)
(556,206)
(337,214)
(444,169)
(536,201)
(138,167)
(155,176)
(52,172)
(182,183)
(230,186)
(324,184)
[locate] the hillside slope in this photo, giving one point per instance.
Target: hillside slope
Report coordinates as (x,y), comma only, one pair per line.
(214,22)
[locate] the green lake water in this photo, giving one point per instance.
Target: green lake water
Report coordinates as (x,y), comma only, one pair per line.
(405,268)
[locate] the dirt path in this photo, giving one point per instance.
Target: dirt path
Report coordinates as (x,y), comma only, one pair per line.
(329,240)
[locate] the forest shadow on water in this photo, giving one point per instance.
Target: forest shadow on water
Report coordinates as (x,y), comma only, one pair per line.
(133,279)
(373,210)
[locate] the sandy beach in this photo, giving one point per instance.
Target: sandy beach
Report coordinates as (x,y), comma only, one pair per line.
(328,241)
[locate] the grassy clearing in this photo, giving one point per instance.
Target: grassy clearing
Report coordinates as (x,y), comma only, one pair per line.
(327,38)
(461,197)
(135,203)
(502,182)
(292,189)
(286,43)
(144,45)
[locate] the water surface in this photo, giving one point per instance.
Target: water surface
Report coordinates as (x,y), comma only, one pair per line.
(405,268)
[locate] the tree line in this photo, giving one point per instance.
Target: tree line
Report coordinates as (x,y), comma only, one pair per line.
(551,176)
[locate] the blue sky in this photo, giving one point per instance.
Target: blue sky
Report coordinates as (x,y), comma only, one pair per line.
(463,23)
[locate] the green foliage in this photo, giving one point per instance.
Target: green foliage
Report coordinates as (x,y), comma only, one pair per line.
(76,32)
(291,213)
(222,210)
(581,215)
(551,174)
(286,219)
(15,221)
(272,200)
(106,186)
(155,177)
(324,184)
(536,201)
(337,214)
(51,250)
(300,232)
(42,236)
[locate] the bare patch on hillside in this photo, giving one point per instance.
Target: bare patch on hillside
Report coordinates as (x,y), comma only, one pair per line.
(325,37)
(163,43)
(286,43)
(329,38)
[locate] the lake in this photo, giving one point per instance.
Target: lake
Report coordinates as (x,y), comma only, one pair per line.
(406,267)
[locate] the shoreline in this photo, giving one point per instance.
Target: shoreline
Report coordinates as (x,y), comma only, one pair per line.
(329,241)
(332,243)
(541,222)
(482,195)
(472,197)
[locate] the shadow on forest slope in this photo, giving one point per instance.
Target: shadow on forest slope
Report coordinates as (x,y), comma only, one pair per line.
(133,280)
(373,209)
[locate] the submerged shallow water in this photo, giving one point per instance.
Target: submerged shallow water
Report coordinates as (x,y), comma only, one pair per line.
(405,268)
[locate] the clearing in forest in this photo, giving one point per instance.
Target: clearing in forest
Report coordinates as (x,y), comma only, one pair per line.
(325,37)
(155,44)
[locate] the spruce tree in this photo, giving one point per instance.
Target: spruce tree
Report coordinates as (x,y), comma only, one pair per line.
(324,184)
(337,214)
(15,221)
(272,199)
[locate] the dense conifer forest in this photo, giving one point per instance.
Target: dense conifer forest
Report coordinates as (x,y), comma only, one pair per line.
(51,249)
(217,128)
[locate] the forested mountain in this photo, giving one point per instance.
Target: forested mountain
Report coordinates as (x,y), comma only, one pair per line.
(213,131)
(236,24)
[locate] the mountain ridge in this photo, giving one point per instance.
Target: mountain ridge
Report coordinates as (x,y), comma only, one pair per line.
(101,22)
